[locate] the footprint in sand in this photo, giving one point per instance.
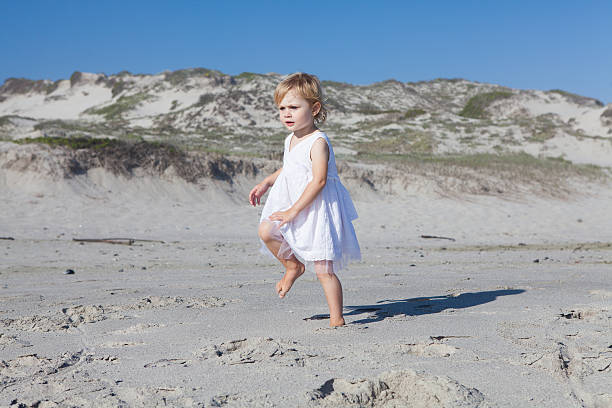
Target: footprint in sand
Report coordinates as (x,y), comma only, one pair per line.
(166,362)
(121,344)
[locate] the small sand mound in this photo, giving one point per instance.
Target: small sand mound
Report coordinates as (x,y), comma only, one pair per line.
(397,389)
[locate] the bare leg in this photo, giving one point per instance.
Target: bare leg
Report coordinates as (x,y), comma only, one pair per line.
(333,292)
(293,267)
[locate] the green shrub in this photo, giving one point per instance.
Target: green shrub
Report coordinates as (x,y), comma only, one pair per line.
(205,99)
(52,87)
(476,106)
(75,78)
(181,76)
(118,87)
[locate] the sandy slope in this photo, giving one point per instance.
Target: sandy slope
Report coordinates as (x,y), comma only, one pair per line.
(514,312)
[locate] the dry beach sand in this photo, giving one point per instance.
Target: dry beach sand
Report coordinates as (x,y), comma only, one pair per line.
(515,312)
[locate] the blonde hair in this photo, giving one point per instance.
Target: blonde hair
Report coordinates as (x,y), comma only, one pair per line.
(308,87)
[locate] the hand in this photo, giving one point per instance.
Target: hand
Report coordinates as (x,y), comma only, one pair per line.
(283,216)
(257,192)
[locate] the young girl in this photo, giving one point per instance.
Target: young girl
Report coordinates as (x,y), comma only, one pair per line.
(307,218)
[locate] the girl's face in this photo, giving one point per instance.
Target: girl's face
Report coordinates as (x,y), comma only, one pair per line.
(297,114)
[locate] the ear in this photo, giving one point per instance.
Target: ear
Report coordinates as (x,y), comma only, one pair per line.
(316,107)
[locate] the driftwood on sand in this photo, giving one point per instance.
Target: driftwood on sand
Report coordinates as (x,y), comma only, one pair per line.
(437,237)
(116,241)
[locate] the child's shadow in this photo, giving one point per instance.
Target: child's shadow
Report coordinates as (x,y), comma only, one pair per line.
(420,306)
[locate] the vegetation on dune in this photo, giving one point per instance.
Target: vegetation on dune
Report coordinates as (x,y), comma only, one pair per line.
(181,76)
(367,108)
(118,87)
(413,113)
(476,106)
(544,128)
(24,86)
(398,144)
(121,157)
(577,99)
(492,174)
(123,104)
(512,163)
(205,99)
(249,76)
(75,78)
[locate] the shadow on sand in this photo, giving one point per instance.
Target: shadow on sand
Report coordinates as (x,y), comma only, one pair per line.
(420,306)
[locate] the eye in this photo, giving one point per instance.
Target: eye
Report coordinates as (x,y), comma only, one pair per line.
(283,108)
(293,107)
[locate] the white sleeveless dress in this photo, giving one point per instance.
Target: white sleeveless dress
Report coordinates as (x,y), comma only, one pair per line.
(323,230)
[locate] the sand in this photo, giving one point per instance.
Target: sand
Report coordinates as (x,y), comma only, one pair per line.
(515,312)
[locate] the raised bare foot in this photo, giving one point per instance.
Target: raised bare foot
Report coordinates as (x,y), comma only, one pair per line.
(336,322)
(290,276)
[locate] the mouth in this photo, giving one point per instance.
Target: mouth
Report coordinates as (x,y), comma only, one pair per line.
(288,123)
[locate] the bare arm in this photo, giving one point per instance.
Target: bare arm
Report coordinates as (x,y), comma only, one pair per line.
(259,190)
(319,156)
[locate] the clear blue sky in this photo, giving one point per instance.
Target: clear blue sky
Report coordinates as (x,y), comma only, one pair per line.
(522,44)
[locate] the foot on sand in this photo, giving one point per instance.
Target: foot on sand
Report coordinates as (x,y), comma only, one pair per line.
(336,322)
(283,285)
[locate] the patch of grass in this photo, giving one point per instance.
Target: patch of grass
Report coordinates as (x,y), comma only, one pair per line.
(370,109)
(123,104)
(398,144)
(476,106)
(543,129)
(58,124)
(248,76)
(519,167)
(413,113)
(506,174)
(181,76)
